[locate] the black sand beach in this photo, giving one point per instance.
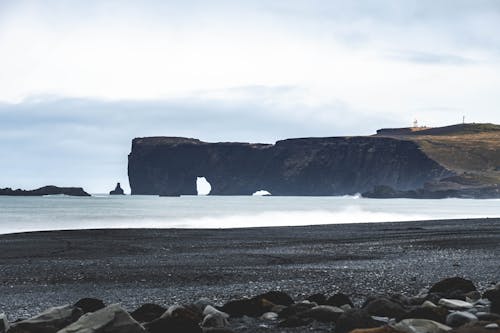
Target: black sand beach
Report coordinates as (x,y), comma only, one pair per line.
(168,266)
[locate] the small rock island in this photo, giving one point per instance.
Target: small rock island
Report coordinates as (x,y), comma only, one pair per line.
(117,191)
(46,190)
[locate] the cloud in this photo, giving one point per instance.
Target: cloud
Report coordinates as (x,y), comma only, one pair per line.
(85,142)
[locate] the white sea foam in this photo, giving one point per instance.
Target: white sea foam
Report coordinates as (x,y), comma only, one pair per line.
(18,214)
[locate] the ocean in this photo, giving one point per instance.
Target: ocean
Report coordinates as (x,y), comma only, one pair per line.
(21,214)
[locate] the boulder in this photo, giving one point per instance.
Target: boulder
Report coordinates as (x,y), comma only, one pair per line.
(493,295)
(339,299)
(211,310)
(117,191)
(382,329)
(355,318)
(276,297)
(202,303)
(420,326)
(324,313)
(486,316)
(215,320)
(269,316)
(435,313)
(385,307)
(453,285)
(176,319)
(460,318)
(111,319)
(477,327)
(256,306)
(318,298)
(296,309)
(4,323)
(49,321)
(455,304)
(148,312)
(295,321)
(90,304)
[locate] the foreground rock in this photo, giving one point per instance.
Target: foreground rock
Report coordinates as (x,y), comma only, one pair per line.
(276,311)
(49,321)
(46,190)
(111,319)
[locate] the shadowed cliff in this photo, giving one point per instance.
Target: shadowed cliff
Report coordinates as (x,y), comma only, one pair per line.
(308,166)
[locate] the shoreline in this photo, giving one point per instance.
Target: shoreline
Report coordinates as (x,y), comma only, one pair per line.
(172,266)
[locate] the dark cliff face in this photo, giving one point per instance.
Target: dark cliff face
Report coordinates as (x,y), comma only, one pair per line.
(309,166)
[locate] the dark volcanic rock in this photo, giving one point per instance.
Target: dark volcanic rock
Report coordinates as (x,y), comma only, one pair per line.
(46,190)
(353,319)
(309,166)
(118,190)
(453,285)
(385,307)
(339,300)
(148,312)
(49,321)
(90,304)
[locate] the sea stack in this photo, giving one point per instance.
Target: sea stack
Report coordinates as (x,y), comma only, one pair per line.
(117,191)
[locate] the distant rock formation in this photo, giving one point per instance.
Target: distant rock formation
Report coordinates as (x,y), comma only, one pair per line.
(46,190)
(309,167)
(117,191)
(399,159)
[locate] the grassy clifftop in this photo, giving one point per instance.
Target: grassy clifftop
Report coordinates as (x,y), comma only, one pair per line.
(470,150)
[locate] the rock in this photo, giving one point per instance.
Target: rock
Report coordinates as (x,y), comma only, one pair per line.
(118,190)
(202,303)
(459,318)
(49,321)
(420,326)
(4,323)
(256,306)
(339,299)
(385,307)
(211,310)
(215,320)
(148,312)
(276,297)
(46,190)
(319,299)
(295,321)
(485,316)
(324,313)
(455,304)
(383,329)
(429,304)
(296,309)
(352,319)
(111,319)
(217,330)
(90,304)
(472,296)
(454,284)
(176,319)
(493,295)
(477,327)
(492,326)
(435,313)
(269,316)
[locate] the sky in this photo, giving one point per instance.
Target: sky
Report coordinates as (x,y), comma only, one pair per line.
(79,79)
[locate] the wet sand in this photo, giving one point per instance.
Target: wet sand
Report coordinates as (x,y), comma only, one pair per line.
(168,266)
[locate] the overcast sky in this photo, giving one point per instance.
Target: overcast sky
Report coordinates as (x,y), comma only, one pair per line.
(80,79)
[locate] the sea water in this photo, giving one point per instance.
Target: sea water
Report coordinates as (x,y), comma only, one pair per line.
(19,214)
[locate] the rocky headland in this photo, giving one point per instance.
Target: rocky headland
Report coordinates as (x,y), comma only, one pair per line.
(455,161)
(46,190)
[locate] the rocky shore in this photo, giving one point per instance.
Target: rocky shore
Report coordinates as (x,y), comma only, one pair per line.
(452,305)
(312,265)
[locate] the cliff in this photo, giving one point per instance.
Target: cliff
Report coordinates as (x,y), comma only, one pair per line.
(307,166)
